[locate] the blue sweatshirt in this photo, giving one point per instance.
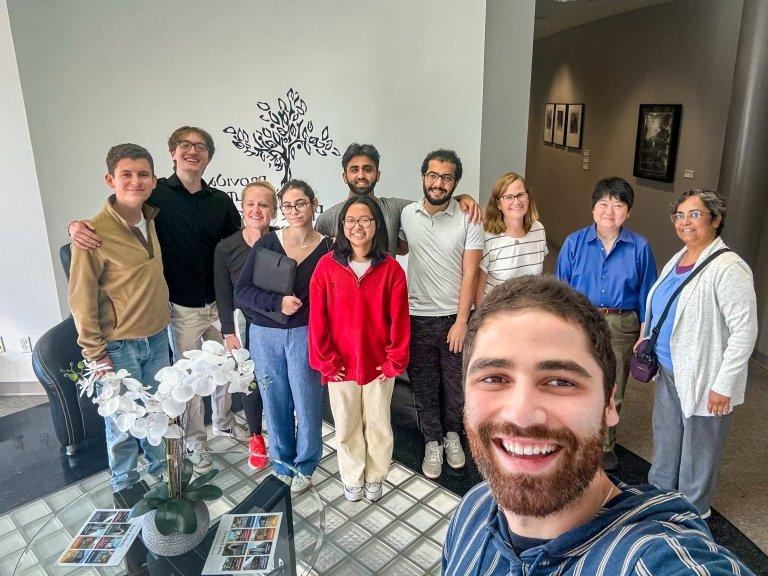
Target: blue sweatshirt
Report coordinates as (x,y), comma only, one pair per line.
(642,531)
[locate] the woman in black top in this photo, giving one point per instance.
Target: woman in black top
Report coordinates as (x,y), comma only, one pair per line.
(259,209)
(280,351)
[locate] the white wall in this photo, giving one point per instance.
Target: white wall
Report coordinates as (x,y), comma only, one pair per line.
(28,304)
(405,76)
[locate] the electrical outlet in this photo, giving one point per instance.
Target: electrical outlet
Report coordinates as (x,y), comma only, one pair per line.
(2,346)
(25,344)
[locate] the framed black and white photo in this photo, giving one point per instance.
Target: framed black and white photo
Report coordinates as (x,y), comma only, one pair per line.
(559,132)
(658,131)
(549,122)
(574,125)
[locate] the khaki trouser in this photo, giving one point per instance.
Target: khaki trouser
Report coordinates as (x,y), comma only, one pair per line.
(363,430)
(625,330)
(188,329)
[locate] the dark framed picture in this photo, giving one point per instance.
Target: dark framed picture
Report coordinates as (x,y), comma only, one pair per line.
(574,125)
(658,132)
(549,122)
(559,132)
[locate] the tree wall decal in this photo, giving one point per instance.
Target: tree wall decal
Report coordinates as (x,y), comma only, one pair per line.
(286,131)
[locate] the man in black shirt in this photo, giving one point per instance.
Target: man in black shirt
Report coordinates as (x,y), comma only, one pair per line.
(192,219)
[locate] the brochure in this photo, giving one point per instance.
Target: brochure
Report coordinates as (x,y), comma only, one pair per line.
(244,544)
(103,540)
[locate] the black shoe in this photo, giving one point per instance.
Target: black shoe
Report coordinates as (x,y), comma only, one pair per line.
(128,497)
(610,460)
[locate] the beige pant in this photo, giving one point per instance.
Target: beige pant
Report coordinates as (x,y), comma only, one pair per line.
(363,430)
(188,329)
(625,330)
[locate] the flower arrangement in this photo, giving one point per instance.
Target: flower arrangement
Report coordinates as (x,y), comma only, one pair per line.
(156,417)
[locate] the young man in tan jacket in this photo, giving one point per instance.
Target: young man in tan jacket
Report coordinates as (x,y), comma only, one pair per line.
(119,298)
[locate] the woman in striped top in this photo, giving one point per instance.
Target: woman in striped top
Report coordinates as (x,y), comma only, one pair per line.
(515,243)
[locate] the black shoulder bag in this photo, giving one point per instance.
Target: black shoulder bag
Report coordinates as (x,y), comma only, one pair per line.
(644,363)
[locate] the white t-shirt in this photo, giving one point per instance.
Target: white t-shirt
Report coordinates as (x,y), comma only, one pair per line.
(505,257)
(142,226)
(359,268)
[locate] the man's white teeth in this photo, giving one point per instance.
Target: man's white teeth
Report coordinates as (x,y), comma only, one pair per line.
(527,449)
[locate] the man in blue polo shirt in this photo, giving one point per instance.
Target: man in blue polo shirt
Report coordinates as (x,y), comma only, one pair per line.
(615,269)
(538,380)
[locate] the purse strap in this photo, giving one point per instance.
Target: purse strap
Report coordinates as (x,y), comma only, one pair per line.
(657,328)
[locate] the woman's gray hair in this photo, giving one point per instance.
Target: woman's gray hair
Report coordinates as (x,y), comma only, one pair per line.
(714,202)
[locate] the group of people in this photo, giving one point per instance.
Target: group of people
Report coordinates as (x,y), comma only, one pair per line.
(354,322)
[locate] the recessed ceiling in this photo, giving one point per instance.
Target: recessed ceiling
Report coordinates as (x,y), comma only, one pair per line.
(554,16)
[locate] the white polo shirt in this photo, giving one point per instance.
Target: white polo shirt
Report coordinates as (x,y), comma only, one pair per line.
(436,246)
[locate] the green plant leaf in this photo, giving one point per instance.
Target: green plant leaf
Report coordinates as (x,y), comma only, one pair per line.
(207,492)
(202,479)
(165,519)
(184,515)
(186,473)
(140,508)
(157,491)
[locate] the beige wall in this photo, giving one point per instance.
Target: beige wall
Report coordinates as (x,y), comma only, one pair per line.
(682,52)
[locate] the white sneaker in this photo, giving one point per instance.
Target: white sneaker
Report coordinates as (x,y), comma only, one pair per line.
(707,514)
(300,484)
(238,432)
(432,465)
(201,460)
(353,494)
(454,453)
(373,491)
(284,478)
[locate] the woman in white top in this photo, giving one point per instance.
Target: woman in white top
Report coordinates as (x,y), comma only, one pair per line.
(515,243)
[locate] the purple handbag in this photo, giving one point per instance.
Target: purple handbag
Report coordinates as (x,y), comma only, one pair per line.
(644,363)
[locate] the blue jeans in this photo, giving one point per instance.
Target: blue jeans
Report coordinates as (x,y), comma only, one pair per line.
(143,358)
(287,383)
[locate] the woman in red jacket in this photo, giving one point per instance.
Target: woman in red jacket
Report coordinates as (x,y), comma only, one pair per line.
(359,334)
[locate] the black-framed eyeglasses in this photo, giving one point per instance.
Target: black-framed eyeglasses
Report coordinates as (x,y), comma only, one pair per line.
(433,177)
(692,214)
(364,221)
(509,198)
(299,206)
(187,145)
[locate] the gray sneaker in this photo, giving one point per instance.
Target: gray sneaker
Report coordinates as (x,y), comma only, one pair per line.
(201,459)
(373,491)
(300,484)
(454,453)
(432,465)
(237,432)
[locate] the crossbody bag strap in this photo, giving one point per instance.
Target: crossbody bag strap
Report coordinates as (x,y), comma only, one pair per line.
(657,328)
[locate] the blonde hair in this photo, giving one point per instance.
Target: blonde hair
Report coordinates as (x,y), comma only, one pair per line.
(268,186)
(494,221)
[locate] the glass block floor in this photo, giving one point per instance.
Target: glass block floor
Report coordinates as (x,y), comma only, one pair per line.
(401,534)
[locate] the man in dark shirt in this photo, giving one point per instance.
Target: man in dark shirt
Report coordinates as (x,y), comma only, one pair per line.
(192,219)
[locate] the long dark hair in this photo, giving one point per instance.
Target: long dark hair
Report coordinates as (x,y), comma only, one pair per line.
(342,249)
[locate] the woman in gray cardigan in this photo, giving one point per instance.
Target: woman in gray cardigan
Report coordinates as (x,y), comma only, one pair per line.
(703,349)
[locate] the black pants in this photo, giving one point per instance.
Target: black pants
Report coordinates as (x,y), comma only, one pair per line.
(435,374)
(252,403)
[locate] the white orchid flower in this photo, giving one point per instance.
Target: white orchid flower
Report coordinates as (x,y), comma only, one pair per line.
(213,347)
(240,355)
(183,393)
(174,431)
(247,366)
(204,386)
(173,408)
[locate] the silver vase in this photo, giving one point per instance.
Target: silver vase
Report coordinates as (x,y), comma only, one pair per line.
(175,543)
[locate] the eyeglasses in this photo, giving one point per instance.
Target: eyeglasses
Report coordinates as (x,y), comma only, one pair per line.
(508,198)
(364,221)
(692,214)
(299,206)
(433,177)
(187,145)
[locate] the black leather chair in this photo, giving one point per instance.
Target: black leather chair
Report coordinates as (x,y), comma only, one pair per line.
(75,417)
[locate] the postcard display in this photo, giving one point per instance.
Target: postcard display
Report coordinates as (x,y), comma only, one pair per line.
(244,544)
(102,541)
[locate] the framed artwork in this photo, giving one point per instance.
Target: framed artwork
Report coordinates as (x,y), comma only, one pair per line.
(658,131)
(549,122)
(574,125)
(559,131)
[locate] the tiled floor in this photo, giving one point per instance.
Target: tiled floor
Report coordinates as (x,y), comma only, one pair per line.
(400,534)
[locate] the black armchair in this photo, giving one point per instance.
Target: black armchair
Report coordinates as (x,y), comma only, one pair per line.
(74,417)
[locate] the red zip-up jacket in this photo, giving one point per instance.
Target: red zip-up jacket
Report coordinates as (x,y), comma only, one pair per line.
(358,323)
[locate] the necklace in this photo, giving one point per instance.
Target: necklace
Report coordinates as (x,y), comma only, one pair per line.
(303,245)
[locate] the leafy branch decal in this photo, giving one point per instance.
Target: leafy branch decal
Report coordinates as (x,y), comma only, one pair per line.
(286,131)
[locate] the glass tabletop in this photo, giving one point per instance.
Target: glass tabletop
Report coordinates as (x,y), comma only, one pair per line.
(300,535)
